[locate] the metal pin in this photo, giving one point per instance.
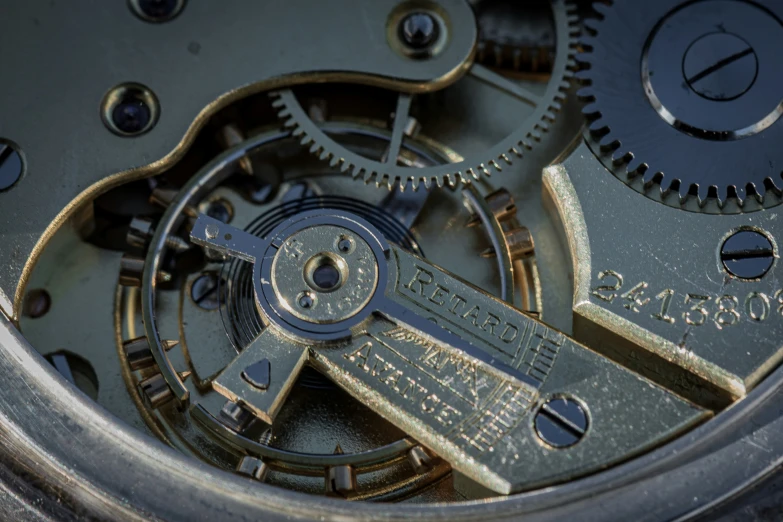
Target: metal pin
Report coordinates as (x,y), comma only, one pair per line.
(132,269)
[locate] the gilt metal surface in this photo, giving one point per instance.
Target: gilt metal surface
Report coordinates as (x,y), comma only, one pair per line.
(451,366)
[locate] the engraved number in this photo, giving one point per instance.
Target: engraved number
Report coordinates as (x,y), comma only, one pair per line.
(727,314)
(757,306)
(634,297)
(697,305)
(614,282)
(665,298)
(779,301)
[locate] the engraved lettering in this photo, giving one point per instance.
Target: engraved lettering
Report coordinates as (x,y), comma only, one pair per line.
(363,354)
(473,313)
(412,390)
(438,294)
(491,321)
(420,280)
(458,301)
(510,333)
(446,414)
(429,403)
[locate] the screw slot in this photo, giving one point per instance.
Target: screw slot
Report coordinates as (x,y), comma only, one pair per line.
(747,254)
(11,165)
(130,109)
(561,422)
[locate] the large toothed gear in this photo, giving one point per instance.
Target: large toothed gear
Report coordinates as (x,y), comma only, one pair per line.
(684,100)
(502,155)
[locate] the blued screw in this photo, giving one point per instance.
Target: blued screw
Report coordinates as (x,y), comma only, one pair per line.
(419,30)
(561,422)
(11,166)
(747,254)
(205,291)
(720,66)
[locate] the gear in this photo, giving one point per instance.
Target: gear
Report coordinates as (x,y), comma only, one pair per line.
(495,160)
(684,100)
(515,36)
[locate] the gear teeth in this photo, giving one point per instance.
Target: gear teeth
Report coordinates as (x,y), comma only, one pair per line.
(731,193)
(750,191)
(297,122)
(771,187)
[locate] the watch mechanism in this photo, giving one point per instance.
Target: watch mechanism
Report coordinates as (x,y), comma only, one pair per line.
(442,259)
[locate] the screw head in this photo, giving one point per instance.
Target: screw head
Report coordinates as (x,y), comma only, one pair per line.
(720,66)
(11,165)
(747,254)
(156,11)
(561,422)
(206,291)
(419,30)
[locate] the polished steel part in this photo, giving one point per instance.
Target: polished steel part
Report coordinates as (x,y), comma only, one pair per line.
(451,366)
(169,59)
(653,293)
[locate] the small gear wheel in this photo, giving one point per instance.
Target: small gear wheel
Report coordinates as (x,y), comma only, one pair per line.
(503,154)
(684,100)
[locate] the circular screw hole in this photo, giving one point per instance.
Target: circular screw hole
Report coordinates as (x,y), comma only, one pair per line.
(11,165)
(156,11)
(326,276)
(130,110)
(207,291)
(345,245)
(419,30)
(747,254)
(306,300)
(561,422)
(37,303)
